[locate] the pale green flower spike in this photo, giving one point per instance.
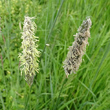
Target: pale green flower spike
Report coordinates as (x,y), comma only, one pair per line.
(76,51)
(29,56)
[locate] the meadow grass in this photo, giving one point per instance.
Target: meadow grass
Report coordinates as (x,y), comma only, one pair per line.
(57,21)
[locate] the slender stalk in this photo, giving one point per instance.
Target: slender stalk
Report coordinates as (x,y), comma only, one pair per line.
(51,29)
(27,103)
(59,95)
(2,101)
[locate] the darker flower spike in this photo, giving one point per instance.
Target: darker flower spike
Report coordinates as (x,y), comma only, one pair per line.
(76,51)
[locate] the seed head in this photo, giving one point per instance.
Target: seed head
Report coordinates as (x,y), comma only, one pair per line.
(76,51)
(30,54)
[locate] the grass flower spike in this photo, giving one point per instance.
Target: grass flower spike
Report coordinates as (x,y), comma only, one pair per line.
(76,51)
(29,55)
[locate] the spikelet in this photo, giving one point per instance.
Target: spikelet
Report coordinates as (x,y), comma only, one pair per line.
(29,55)
(76,51)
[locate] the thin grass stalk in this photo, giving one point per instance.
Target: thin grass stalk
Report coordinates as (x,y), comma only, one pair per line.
(50,32)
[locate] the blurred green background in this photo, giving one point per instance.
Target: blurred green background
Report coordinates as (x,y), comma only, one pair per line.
(57,21)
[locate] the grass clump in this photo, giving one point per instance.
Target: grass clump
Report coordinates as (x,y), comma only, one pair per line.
(58,20)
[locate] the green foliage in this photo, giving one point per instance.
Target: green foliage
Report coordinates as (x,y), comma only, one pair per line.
(57,21)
